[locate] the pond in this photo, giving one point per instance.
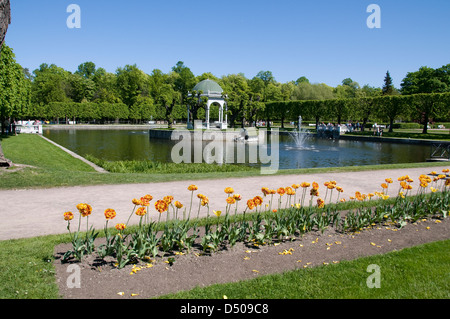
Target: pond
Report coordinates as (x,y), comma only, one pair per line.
(115,145)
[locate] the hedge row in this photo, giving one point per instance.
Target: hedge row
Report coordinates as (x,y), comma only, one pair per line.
(421,108)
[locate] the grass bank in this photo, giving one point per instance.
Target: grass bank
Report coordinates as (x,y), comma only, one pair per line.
(408,134)
(413,273)
(52,167)
(27,270)
(150,167)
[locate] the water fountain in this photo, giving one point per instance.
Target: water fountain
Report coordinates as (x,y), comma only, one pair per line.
(300,135)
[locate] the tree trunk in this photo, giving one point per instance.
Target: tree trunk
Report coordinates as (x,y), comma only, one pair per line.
(391,124)
(425,123)
(363,125)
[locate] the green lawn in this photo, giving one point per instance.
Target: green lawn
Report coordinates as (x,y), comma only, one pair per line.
(52,167)
(419,272)
(27,270)
(413,134)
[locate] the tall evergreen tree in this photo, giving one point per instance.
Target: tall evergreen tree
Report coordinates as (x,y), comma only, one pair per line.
(388,88)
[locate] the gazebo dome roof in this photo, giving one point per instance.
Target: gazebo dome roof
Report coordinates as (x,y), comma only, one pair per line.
(208,85)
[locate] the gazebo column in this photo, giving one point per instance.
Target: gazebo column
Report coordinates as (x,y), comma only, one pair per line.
(226,114)
(207,115)
(220,113)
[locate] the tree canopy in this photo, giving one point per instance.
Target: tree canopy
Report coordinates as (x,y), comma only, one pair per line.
(93,94)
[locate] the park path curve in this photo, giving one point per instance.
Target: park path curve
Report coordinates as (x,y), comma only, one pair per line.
(35,212)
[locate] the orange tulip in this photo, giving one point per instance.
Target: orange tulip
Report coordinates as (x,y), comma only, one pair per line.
(110,213)
(120,226)
(257,200)
(68,216)
(230,200)
(229,190)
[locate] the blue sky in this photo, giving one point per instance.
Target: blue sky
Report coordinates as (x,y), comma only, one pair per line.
(324,40)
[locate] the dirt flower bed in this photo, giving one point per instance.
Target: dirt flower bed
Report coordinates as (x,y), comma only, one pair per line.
(291,227)
(102,280)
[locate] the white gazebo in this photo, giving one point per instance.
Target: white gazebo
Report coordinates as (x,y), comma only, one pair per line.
(214,93)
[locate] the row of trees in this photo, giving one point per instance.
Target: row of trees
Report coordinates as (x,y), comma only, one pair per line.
(92,93)
(389,108)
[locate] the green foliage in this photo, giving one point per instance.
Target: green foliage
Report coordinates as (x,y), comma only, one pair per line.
(131,82)
(427,106)
(388,87)
(27,268)
(237,90)
(427,80)
(50,84)
(165,168)
(420,107)
(91,93)
(263,227)
(15,87)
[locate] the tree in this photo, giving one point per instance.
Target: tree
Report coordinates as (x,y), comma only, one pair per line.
(81,89)
(388,88)
(86,70)
(14,87)
(308,91)
(301,79)
(255,106)
(236,92)
(131,82)
(391,107)
(195,102)
(142,109)
(339,108)
(89,111)
(266,76)
(348,90)
(50,84)
(206,76)
(114,111)
(350,83)
(316,109)
(427,106)
(57,110)
(164,93)
(287,90)
(105,87)
(185,81)
(364,108)
(427,80)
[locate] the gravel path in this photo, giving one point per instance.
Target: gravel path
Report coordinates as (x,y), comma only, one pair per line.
(36,212)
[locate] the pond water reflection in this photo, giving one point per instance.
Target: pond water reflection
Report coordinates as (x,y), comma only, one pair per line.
(114,145)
